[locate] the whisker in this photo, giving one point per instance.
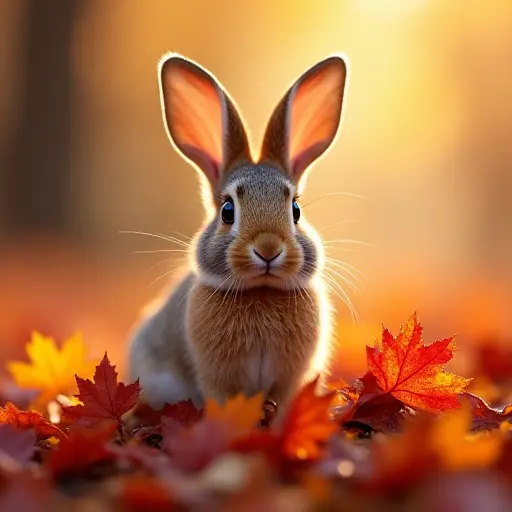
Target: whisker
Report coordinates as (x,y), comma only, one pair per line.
(167,238)
(344,221)
(345,266)
(218,288)
(167,260)
(349,283)
(165,274)
(160,250)
(338,290)
(348,241)
(331,194)
(334,248)
(182,235)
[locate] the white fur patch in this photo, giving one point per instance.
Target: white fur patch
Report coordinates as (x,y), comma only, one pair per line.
(259,373)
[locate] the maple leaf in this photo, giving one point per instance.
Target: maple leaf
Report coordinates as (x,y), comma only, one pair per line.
(17,444)
(240,413)
(412,372)
(51,371)
(103,399)
(83,448)
(307,423)
(183,412)
(26,420)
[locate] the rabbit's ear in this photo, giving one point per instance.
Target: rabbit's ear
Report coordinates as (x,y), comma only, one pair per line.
(201,119)
(305,122)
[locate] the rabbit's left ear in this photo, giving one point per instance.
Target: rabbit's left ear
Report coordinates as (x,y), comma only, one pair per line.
(305,122)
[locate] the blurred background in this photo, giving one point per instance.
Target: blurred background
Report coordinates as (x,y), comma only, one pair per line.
(425,140)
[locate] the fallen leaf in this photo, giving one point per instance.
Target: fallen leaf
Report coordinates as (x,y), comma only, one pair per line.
(51,371)
(105,399)
(83,448)
(457,447)
(140,493)
(183,412)
(431,444)
(25,420)
(485,417)
(192,448)
(308,423)
(17,444)
(240,413)
(412,372)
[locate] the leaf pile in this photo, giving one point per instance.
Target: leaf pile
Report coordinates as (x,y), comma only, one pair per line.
(407,435)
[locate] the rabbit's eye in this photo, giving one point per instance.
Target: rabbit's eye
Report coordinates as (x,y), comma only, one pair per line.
(296,211)
(228,211)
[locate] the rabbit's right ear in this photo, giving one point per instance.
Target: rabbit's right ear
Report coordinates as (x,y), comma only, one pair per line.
(201,119)
(304,124)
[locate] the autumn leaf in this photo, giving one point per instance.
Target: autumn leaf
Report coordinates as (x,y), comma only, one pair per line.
(485,417)
(103,399)
(26,420)
(183,412)
(17,444)
(412,372)
(307,423)
(240,413)
(83,448)
(457,447)
(193,448)
(51,371)
(428,445)
(140,493)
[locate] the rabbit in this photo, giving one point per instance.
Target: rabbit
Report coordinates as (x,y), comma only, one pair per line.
(252,315)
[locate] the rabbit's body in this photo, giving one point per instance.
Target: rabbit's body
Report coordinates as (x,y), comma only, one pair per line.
(252,315)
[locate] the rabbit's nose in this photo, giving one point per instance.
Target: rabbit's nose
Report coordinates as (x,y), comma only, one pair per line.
(268,257)
(267,247)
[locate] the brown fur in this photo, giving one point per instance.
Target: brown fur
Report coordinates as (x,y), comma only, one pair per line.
(224,330)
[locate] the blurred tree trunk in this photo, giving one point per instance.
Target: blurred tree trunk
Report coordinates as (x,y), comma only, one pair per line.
(37,182)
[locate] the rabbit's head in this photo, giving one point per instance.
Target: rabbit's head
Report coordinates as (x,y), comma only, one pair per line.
(256,235)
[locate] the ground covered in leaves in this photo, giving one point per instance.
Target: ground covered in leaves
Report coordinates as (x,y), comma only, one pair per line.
(406,436)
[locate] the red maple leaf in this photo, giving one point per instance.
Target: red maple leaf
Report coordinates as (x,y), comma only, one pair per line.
(183,412)
(83,448)
(412,372)
(26,420)
(103,399)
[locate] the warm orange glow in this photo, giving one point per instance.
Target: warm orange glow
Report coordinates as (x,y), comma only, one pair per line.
(425,139)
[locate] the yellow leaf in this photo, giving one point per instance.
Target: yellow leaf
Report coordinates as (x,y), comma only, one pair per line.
(457,448)
(50,370)
(240,413)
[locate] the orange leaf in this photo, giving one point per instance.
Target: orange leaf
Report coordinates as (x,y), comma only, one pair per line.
(51,371)
(240,413)
(25,420)
(412,372)
(83,448)
(105,399)
(307,423)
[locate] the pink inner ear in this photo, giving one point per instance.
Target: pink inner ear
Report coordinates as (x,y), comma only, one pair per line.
(203,161)
(303,160)
(194,112)
(315,108)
